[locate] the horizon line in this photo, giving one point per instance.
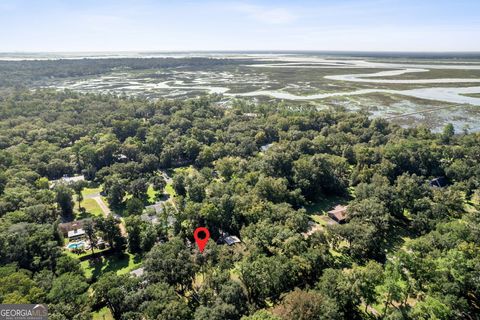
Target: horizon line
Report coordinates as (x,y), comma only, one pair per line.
(241,51)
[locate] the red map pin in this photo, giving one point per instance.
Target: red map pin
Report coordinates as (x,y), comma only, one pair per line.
(201,236)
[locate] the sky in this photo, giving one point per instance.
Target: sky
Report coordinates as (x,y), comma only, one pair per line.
(177,25)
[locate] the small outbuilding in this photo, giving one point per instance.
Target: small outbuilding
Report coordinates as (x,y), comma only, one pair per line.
(229,240)
(338,214)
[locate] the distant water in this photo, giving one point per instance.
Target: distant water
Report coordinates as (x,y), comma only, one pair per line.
(18,56)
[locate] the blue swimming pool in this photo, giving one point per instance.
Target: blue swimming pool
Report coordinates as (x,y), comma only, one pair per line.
(76,245)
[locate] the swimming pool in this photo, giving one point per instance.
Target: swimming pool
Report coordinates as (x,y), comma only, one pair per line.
(76,245)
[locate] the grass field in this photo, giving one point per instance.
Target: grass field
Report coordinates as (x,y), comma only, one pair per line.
(120,265)
(92,206)
(90,191)
(86,253)
(92,209)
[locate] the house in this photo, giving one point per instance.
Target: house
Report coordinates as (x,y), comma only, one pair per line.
(76,234)
(66,180)
(65,227)
(338,214)
(438,182)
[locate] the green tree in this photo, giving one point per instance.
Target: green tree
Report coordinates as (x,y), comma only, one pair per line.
(110,232)
(117,293)
(307,305)
(91,234)
(138,188)
(134,206)
(172,263)
(134,227)
(70,289)
(115,190)
(266,277)
(77,188)
(158,183)
(448,133)
(261,315)
(163,303)
(64,200)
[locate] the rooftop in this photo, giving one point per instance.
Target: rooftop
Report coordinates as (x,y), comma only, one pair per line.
(67,180)
(229,240)
(339,213)
(76,233)
(137,272)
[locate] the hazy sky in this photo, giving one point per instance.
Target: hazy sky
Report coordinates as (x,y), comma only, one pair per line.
(113,25)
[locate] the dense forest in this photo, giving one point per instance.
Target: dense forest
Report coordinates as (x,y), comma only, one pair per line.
(262,173)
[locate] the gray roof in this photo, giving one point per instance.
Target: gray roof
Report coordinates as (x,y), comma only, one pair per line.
(153,219)
(67,180)
(138,272)
(158,207)
(266,147)
(231,240)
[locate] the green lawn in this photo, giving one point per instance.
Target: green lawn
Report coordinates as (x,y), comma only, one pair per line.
(86,253)
(151,194)
(120,265)
(92,209)
(318,219)
(90,191)
(187,169)
(92,206)
(326,204)
(102,314)
(169,190)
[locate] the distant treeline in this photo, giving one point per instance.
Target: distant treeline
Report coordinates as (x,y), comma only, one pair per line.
(22,73)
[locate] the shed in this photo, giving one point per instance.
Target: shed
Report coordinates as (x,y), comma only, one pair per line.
(229,240)
(338,214)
